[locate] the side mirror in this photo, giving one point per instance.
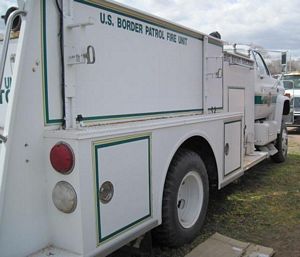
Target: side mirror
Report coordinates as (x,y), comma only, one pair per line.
(284,61)
(283,58)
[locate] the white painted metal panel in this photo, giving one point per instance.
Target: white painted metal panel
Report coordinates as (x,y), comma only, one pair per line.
(24,226)
(265,132)
(7,80)
(214,76)
(126,165)
(236,99)
(237,77)
(65,230)
(135,73)
(236,103)
(234,140)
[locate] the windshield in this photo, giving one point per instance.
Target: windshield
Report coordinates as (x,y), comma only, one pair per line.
(7,79)
(293,78)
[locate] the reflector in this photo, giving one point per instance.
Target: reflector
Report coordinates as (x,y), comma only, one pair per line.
(62,158)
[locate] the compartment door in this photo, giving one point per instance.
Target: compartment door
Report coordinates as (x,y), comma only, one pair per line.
(236,100)
(232,146)
(122,185)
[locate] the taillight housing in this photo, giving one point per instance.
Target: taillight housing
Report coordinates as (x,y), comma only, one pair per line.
(64,197)
(62,158)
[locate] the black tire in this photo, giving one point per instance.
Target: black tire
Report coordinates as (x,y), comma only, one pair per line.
(171,232)
(281,145)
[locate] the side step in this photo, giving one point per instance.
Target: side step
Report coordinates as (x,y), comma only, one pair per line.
(270,148)
(253,159)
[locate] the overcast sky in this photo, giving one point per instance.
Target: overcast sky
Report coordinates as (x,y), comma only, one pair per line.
(272,24)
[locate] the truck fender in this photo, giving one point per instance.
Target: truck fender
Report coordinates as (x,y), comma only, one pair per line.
(282,108)
(172,153)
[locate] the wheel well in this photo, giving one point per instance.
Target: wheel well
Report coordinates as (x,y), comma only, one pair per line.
(202,147)
(286,107)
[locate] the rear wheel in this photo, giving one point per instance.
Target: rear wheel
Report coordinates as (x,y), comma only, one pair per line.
(185,200)
(281,145)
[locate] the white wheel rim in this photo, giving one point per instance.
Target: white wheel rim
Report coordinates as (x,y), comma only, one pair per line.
(189,199)
(284,142)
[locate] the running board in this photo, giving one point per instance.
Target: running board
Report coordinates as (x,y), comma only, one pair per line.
(270,149)
(253,159)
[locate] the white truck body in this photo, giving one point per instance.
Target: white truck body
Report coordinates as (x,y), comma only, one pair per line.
(7,80)
(154,87)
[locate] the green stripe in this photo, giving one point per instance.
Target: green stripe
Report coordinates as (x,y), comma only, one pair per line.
(121,142)
(118,116)
(258,99)
(97,188)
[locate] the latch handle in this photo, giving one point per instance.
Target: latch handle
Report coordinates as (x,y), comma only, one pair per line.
(226,149)
(90,55)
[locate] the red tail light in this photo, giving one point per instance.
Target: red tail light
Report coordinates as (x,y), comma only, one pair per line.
(62,158)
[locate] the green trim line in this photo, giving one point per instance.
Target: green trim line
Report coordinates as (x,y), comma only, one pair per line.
(259,99)
(215,108)
(119,116)
(47,118)
(113,142)
(133,14)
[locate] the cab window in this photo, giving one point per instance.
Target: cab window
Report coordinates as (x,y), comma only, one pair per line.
(263,70)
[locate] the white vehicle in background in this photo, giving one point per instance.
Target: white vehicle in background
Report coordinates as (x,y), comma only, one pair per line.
(291,82)
(118,122)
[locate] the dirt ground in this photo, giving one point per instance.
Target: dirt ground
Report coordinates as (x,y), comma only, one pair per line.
(262,207)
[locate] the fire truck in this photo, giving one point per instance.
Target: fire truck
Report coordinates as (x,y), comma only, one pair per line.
(115,122)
